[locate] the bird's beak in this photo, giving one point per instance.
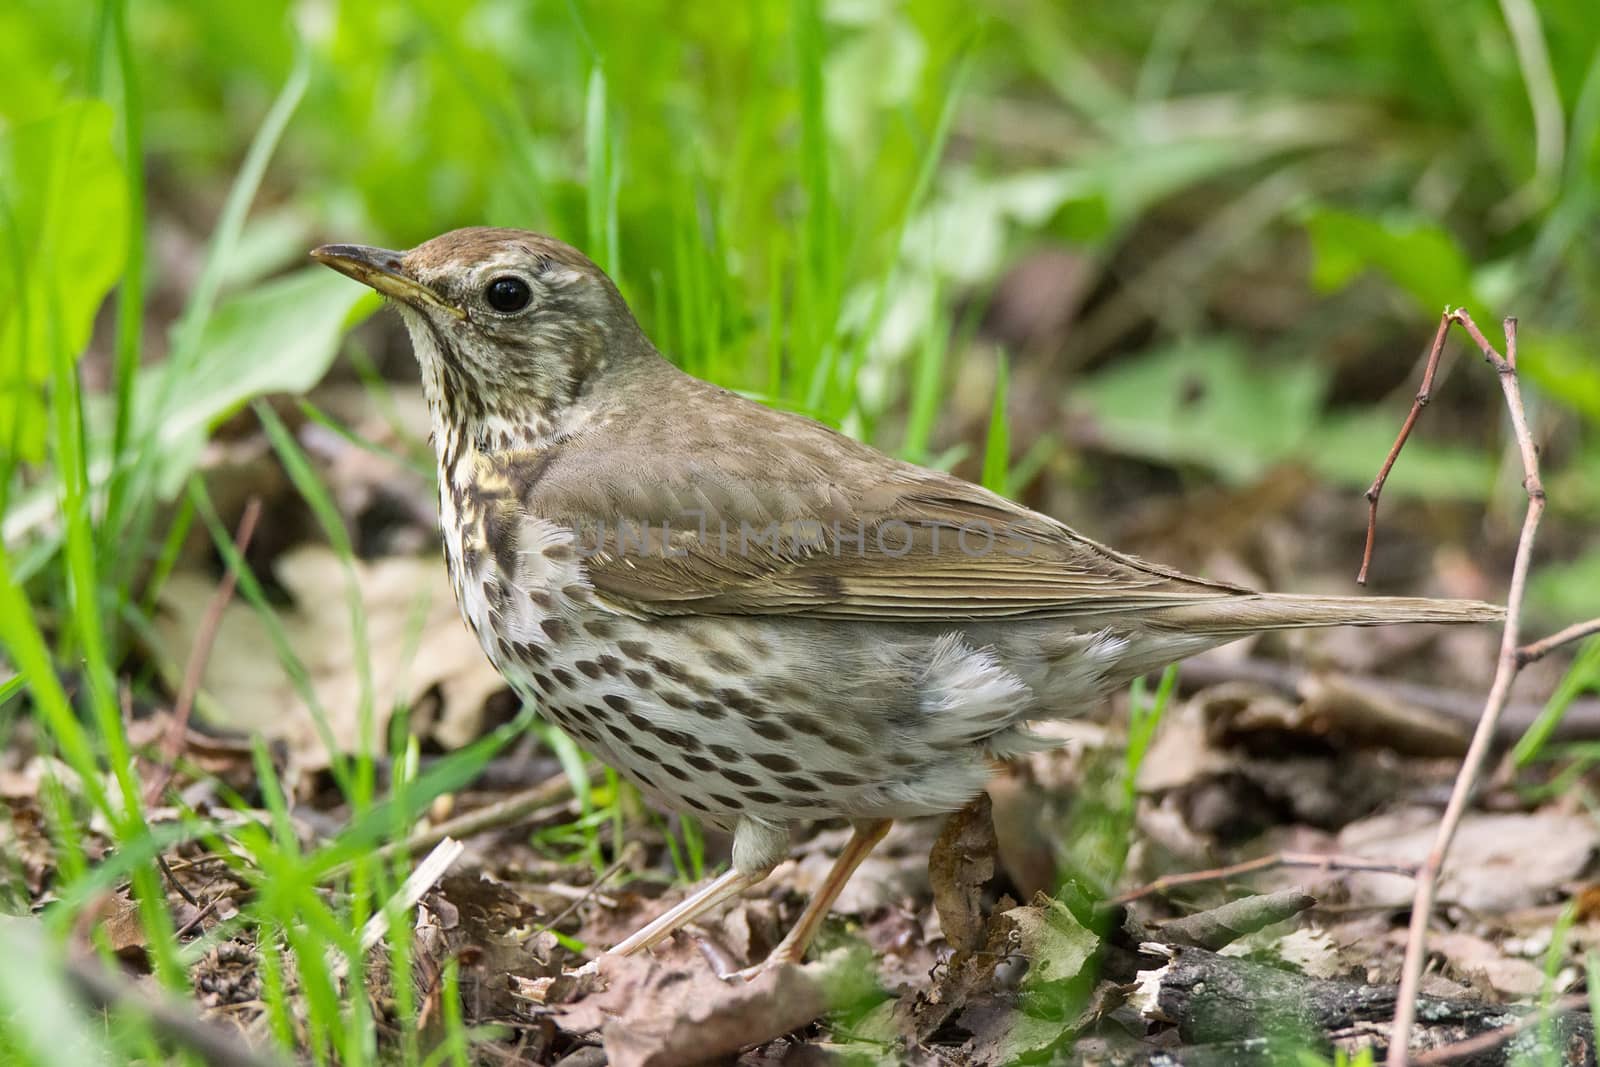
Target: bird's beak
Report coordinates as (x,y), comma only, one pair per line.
(385,272)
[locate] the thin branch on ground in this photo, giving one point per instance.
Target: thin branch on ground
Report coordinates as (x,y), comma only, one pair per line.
(1263,863)
(172,880)
(1509,663)
(199,656)
(197,918)
(526,805)
(590,891)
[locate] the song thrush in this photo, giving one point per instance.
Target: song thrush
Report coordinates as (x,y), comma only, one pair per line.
(751,616)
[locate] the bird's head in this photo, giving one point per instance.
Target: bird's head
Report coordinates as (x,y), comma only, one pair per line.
(510,327)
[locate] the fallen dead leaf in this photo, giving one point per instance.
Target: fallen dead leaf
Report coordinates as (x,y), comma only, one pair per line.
(1221,926)
(1310,951)
(416,642)
(1499,861)
(1481,960)
(119,923)
(26,846)
(656,1014)
(1181,752)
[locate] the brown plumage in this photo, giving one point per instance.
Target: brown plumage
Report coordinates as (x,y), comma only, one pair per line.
(750,615)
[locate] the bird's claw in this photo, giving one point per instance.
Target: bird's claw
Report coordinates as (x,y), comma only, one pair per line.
(754,971)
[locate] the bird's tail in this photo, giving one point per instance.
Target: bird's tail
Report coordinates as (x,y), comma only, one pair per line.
(1287,611)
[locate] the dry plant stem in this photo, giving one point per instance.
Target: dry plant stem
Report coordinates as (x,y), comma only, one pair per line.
(1505,672)
(1493,1039)
(1263,863)
(199,655)
(588,893)
(1538,650)
(1424,394)
(724,887)
(514,808)
(429,871)
(172,880)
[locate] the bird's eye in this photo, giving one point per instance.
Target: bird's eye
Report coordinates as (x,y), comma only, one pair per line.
(507,294)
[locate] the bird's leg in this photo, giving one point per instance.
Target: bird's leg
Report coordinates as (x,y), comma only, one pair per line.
(792,949)
(725,887)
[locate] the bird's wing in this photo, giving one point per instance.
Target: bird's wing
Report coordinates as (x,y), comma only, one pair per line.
(827,528)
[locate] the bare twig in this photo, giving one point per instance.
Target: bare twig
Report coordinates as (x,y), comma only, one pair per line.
(1493,1039)
(1537,650)
(1424,394)
(172,880)
(589,892)
(1506,670)
(199,655)
(1263,863)
(525,805)
(429,871)
(197,918)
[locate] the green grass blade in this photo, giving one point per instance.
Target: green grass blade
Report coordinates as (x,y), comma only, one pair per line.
(997,445)
(131,293)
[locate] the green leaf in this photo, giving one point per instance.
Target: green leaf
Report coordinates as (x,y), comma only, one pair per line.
(1565,367)
(1058,949)
(1055,944)
(1420,258)
(63,231)
(997,446)
(1565,591)
(1205,404)
(278,337)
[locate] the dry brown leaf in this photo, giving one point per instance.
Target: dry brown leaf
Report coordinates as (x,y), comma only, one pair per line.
(1499,861)
(119,923)
(1475,958)
(416,639)
(1310,951)
(1218,927)
(1181,752)
(24,846)
(656,1014)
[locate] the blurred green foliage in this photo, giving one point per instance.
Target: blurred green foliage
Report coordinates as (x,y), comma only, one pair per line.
(757,176)
(65,219)
(810,200)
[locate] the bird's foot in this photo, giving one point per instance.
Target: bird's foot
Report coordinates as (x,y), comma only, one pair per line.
(771,963)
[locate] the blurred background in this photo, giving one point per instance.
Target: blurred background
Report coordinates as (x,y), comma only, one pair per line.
(1174,245)
(1165,270)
